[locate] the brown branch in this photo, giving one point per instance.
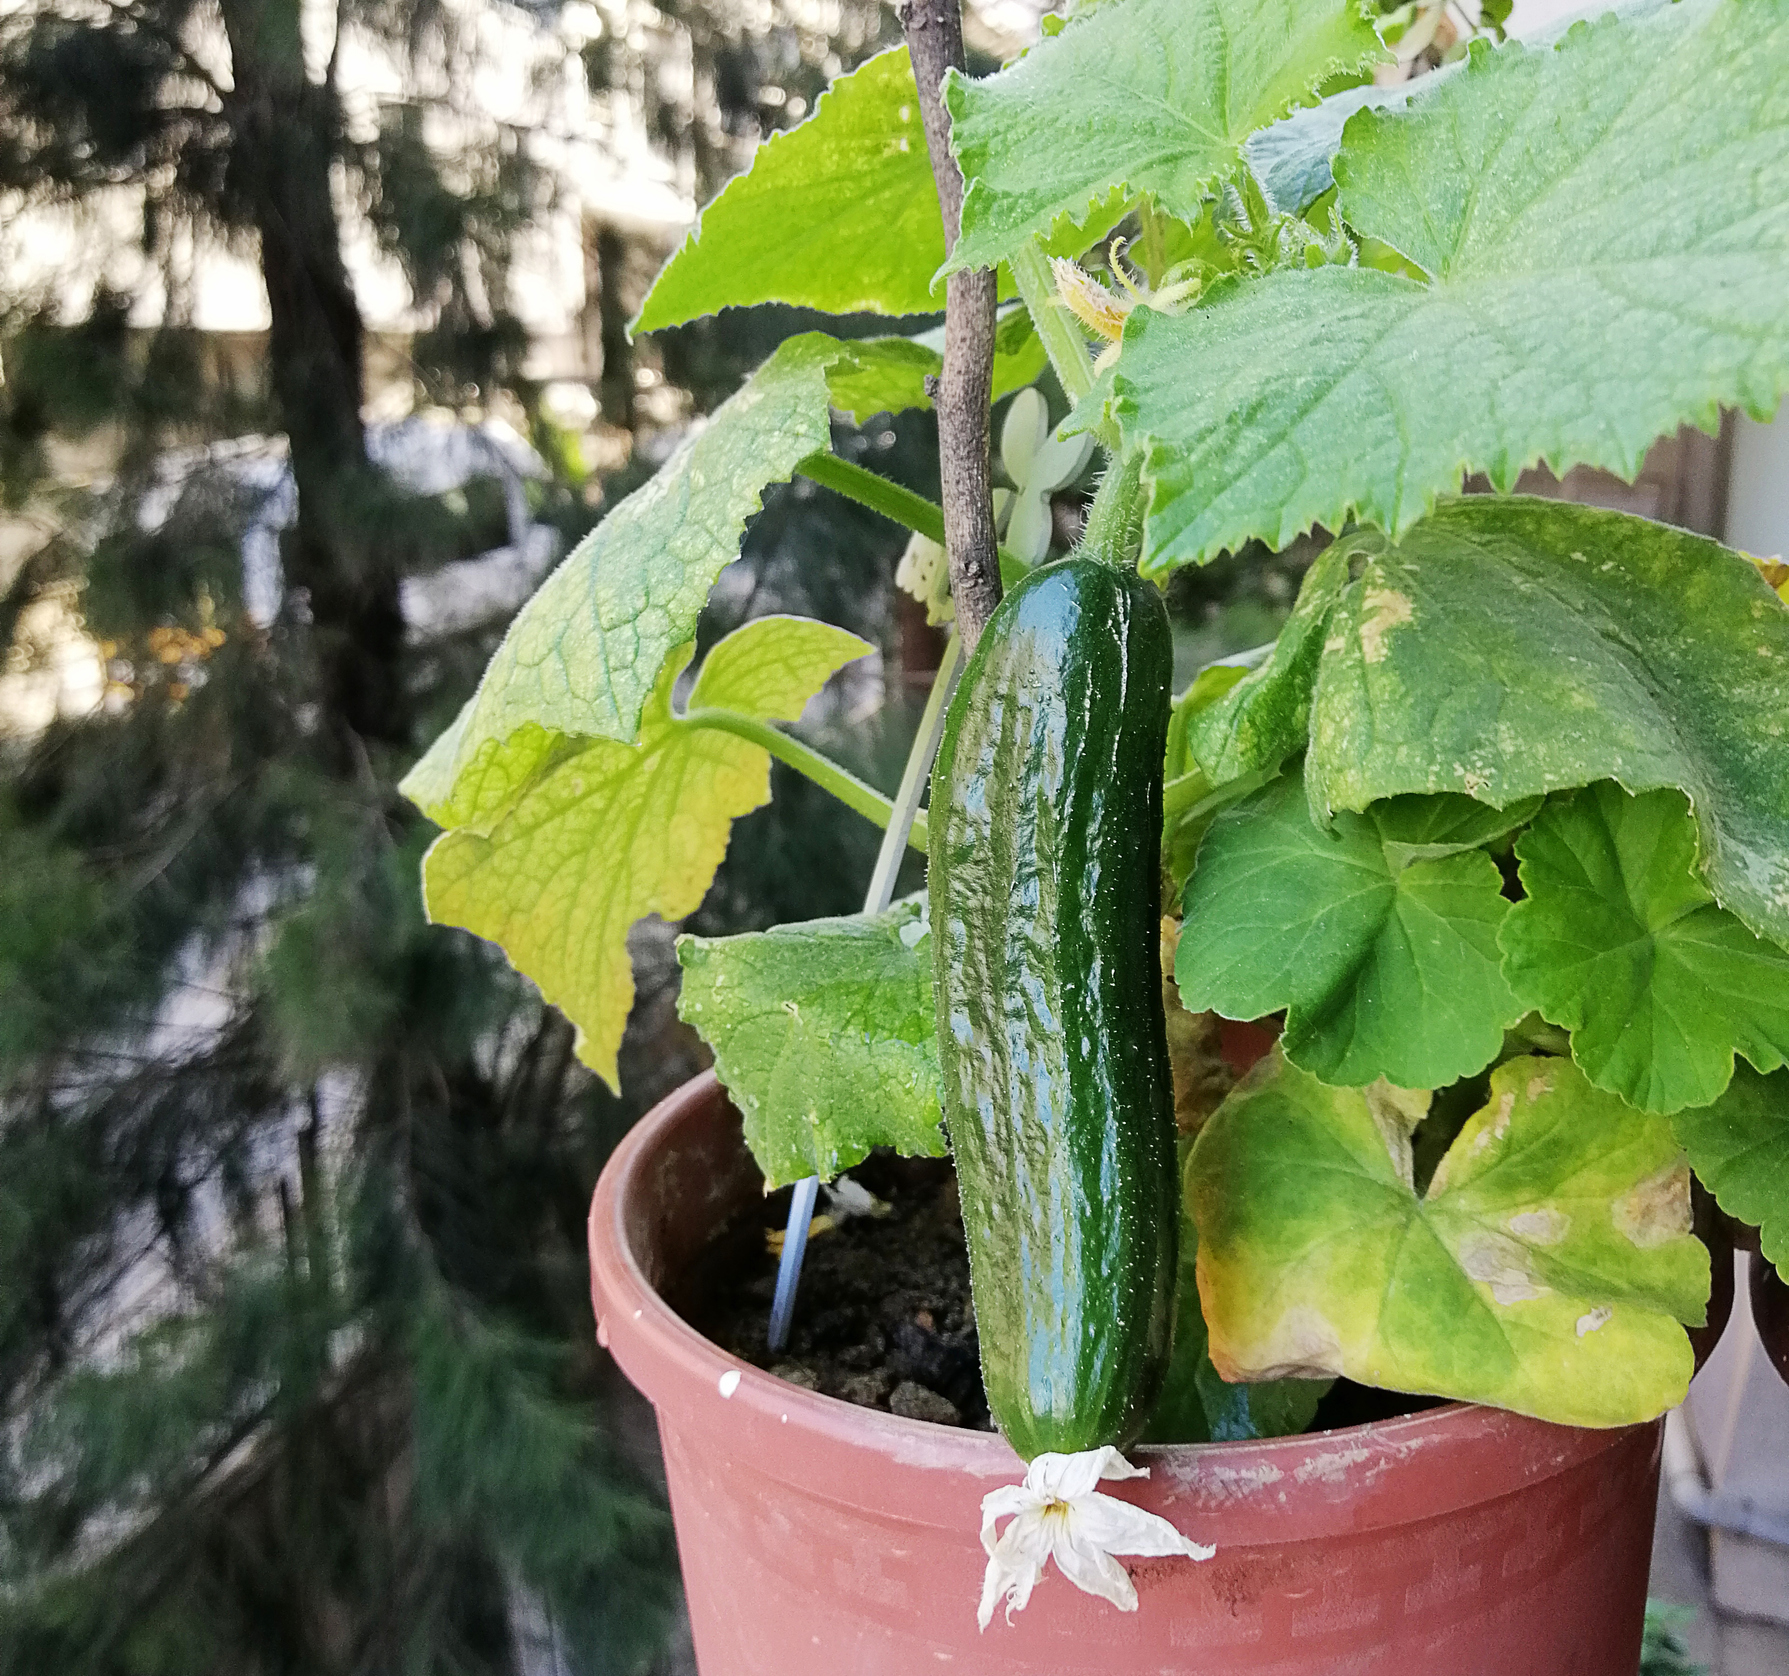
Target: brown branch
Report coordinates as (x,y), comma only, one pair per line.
(934,30)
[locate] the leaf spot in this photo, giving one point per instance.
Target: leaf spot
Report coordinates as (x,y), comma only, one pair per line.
(1656,1210)
(1537,1086)
(1502,1265)
(1591,1321)
(1545,1226)
(1386,610)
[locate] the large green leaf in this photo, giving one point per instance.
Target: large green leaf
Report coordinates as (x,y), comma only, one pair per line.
(1386,966)
(838,214)
(1152,96)
(1620,941)
(1739,1147)
(824,1035)
(586,651)
(1545,1270)
(1605,227)
(1266,717)
(610,833)
(1506,648)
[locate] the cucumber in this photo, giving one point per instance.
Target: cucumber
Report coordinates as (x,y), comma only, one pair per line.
(1045,889)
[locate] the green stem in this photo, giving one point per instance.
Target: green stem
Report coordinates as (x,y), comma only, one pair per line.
(900,506)
(1060,332)
(804,759)
(1114,529)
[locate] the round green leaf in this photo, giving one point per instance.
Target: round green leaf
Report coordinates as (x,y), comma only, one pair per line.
(1386,967)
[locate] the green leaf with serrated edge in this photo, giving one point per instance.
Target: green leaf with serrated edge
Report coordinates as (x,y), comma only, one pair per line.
(1506,648)
(1628,187)
(1384,970)
(1545,1270)
(1152,96)
(838,214)
(1620,942)
(584,654)
(1266,717)
(823,1034)
(610,833)
(1294,160)
(1197,1405)
(888,375)
(1739,1149)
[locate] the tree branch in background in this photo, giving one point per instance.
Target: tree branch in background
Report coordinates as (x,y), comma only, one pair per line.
(934,30)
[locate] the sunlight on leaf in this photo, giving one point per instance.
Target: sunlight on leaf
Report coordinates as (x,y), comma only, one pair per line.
(1604,225)
(1152,96)
(838,214)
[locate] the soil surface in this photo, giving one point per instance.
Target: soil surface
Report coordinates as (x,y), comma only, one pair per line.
(885,1318)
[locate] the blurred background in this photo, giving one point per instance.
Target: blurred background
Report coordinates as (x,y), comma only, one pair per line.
(313,335)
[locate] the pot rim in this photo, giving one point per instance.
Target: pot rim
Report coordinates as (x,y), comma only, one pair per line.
(1305,1487)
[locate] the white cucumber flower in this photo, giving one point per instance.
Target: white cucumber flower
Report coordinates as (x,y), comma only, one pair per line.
(1058,1514)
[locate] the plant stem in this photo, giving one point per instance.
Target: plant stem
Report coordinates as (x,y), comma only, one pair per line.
(1062,338)
(804,759)
(1114,529)
(934,31)
(898,505)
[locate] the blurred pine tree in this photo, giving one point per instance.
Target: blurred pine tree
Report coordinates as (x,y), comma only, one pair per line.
(297,1375)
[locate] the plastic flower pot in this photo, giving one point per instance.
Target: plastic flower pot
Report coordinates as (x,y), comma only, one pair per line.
(819,1538)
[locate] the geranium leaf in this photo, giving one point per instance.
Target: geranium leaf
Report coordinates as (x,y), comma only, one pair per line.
(1620,942)
(838,214)
(1385,968)
(584,654)
(1739,1147)
(1566,202)
(1506,648)
(823,1035)
(1152,96)
(1545,1270)
(1197,1404)
(610,833)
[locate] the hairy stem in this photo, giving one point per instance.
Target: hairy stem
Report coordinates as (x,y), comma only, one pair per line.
(934,31)
(1114,529)
(805,760)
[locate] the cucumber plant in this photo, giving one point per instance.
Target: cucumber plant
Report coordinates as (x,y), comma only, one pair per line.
(1495,835)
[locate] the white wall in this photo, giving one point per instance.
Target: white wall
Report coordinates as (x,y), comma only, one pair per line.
(1758,503)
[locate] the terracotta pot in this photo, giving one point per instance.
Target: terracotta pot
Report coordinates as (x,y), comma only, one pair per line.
(821,1539)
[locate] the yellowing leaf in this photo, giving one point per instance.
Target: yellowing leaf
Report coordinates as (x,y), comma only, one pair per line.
(610,833)
(585,653)
(1546,1269)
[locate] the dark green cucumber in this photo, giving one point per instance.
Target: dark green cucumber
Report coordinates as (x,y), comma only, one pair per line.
(1045,891)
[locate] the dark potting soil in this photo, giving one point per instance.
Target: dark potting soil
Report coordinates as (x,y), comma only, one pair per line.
(885,1318)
